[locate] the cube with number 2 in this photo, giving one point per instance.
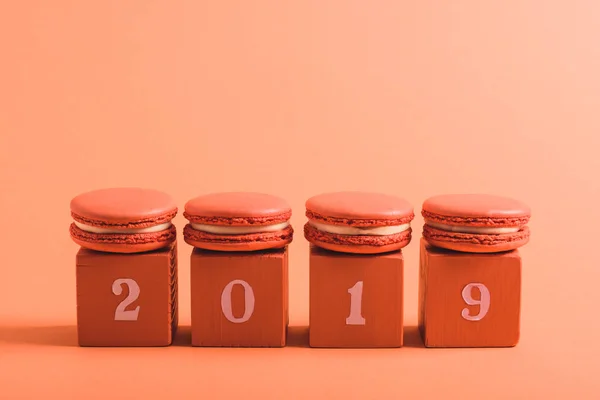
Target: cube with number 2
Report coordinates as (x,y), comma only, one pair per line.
(126,299)
(469,299)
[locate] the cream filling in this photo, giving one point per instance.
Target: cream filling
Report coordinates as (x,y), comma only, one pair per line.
(355,231)
(239,230)
(473,229)
(150,229)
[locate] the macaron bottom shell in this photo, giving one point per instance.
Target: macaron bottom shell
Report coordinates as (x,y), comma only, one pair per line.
(123,243)
(476,243)
(245,242)
(357,244)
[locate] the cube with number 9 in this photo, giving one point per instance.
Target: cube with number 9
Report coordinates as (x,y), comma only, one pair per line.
(469,299)
(127,299)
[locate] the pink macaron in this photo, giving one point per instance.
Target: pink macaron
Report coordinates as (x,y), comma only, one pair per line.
(358,222)
(238,221)
(477,223)
(123,220)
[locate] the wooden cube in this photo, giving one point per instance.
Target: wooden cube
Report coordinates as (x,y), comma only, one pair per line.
(239,299)
(469,299)
(356,300)
(126,299)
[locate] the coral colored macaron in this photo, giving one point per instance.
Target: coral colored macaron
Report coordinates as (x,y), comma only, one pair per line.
(476,223)
(238,221)
(358,222)
(123,220)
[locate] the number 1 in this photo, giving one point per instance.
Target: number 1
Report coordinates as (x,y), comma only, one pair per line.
(355,317)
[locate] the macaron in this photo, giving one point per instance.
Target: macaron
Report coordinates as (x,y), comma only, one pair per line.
(476,223)
(238,221)
(358,222)
(123,220)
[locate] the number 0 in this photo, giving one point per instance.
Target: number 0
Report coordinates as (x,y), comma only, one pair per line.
(483,303)
(226,301)
(134,292)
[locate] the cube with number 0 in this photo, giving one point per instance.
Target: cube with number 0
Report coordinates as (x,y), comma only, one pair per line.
(469,299)
(239,299)
(126,299)
(356,300)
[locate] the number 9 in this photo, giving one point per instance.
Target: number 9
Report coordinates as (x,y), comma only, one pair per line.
(483,303)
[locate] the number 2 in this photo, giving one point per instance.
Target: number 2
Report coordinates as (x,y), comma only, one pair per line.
(483,303)
(134,292)
(355,317)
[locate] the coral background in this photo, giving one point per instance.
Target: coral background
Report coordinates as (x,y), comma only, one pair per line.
(296,98)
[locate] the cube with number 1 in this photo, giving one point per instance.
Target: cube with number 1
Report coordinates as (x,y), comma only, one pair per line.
(356,300)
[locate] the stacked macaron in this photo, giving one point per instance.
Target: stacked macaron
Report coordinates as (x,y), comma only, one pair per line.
(238,221)
(358,222)
(123,220)
(475,223)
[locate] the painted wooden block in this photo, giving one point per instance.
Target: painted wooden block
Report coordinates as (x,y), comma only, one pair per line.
(239,299)
(356,300)
(126,299)
(469,299)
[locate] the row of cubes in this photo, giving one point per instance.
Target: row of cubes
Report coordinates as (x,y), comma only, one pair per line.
(241,299)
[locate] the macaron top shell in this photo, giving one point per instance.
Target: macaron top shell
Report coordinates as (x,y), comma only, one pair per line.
(359,209)
(237,209)
(476,210)
(123,207)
